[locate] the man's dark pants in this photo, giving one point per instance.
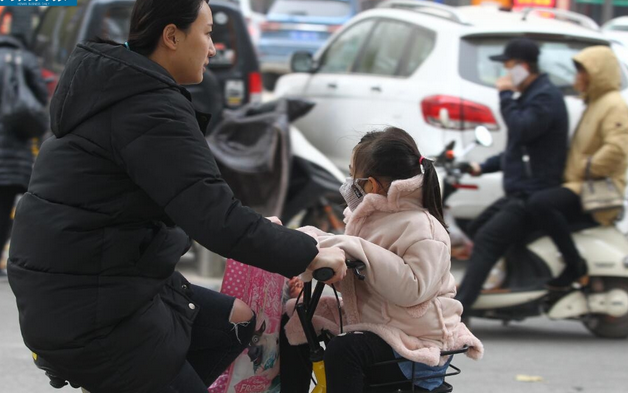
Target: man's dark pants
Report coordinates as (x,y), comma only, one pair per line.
(494,231)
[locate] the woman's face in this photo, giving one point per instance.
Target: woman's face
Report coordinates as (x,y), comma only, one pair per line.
(195,48)
(581,84)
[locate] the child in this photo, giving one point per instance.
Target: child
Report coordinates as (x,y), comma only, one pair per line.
(406,306)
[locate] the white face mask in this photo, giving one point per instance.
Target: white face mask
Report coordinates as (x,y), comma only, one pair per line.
(352,192)
(519,74)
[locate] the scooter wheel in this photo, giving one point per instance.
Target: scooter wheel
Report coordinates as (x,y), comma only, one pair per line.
(606,326)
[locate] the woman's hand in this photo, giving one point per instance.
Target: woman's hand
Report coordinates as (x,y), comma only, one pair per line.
(333,258)
(274,220)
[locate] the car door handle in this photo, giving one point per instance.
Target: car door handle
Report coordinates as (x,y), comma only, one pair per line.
(332,85)
(377,89)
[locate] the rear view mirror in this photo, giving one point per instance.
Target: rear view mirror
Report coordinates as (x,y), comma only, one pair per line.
(302,62)
(483,136)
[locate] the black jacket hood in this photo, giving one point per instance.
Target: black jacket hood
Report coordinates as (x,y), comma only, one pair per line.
(99,75)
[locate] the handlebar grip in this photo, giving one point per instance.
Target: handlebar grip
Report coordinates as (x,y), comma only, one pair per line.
(323,274)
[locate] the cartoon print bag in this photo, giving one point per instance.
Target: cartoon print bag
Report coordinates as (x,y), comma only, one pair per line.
(256,370)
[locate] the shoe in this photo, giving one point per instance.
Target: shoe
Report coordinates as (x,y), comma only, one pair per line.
(3,273)
(571,274)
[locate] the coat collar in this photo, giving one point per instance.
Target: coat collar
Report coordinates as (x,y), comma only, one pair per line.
(403,195)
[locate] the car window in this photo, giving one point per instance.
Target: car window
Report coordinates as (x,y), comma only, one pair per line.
(46,39)
(116,23)
(225,40)
(383,53)
(342,53)
(317,8)
(420,48)
(555,60)
(69,31)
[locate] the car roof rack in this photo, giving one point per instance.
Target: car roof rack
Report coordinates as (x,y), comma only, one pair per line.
(429,8)
(564,15)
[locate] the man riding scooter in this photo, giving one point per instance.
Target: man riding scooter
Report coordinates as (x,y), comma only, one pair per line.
(534,159)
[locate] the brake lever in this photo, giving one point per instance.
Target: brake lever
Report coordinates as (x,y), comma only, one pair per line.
(357,267)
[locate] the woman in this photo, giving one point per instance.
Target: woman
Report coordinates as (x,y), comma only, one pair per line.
(115,195)
(16,153)
(601,140)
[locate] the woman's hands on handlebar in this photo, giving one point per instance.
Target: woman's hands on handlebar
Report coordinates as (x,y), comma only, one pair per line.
(333,258)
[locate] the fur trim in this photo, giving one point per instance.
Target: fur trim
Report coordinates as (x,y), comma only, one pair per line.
(419,310)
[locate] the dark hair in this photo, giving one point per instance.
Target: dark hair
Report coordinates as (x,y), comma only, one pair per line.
(392,154)
(150,17)
(534,68)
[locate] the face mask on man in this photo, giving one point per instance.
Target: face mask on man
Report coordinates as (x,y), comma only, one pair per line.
(352,192)
(519,74)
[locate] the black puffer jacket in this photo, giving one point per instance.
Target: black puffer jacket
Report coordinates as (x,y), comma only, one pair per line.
(112,201)
(16,156)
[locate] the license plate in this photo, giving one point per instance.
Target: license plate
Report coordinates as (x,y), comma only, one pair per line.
(303,35)
(234,92)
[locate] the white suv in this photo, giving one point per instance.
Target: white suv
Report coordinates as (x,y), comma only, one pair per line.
(425,68)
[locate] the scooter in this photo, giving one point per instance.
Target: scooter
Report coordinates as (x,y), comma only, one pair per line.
(273,168)
(602,306)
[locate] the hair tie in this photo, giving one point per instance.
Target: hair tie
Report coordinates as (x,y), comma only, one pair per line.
(127,45)
(421,160)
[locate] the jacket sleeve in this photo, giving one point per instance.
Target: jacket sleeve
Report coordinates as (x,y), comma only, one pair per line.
(405,281)
(173,164)
(614,150)
(526,123)
(34,78)
(492,164)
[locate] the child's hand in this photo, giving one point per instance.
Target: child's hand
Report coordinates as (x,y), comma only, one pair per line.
(295,285)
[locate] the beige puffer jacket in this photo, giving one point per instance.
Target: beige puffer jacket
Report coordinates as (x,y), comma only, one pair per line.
(602,134)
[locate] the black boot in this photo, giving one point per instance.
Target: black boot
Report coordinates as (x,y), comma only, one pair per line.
(571,273)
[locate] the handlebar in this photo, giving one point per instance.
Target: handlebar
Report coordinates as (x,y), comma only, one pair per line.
(326,273)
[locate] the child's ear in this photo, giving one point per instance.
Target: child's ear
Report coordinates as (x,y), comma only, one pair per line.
(376,187)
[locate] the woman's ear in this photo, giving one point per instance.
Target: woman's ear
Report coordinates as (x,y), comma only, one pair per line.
(169,36)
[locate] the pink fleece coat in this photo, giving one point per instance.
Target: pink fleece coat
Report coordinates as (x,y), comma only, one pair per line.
(408,295)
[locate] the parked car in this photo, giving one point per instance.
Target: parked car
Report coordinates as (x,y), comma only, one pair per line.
(298,25)
(232,79)
(425,68)
(617,30)
(254,17)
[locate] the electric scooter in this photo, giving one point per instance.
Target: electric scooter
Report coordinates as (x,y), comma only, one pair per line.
(602,305)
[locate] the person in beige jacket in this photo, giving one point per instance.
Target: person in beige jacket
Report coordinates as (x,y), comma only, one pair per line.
(601,141)
(406,306)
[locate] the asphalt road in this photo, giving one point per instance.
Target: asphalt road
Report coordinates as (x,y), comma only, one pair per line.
(563,355)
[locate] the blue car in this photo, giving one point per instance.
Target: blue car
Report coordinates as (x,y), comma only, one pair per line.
(296,26)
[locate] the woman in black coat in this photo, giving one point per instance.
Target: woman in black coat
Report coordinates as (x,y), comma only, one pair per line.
(16,152)
(115,196)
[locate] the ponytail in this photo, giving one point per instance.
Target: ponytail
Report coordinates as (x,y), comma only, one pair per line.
(432,199)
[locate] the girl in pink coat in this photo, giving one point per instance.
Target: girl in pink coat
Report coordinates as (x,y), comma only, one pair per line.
(406,306)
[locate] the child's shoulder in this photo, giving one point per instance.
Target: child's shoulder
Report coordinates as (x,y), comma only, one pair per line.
(420,225)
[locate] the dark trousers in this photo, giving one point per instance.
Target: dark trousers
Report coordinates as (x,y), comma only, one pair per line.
(553,211)
(347,362)
(494,231)
(7,200)
(216,342)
